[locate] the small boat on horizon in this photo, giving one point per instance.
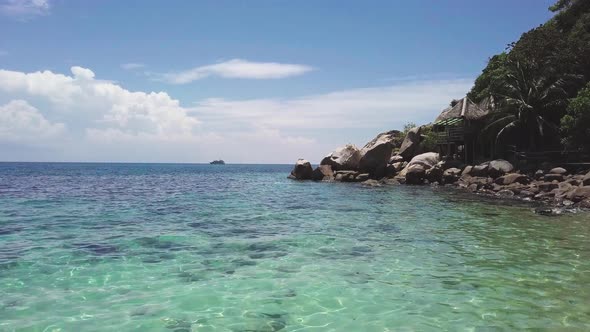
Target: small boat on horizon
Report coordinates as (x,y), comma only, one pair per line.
(217,162)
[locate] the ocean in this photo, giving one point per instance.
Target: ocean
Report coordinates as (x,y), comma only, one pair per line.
(190,247)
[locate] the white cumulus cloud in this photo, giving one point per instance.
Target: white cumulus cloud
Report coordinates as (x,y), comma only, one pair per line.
(21,122)
(102,105)
(238,68)
(89,119)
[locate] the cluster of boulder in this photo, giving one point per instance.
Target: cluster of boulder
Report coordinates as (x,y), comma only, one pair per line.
(389,160)
(556,186)
(376,160)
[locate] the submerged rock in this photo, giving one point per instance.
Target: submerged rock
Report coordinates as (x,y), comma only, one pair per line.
(371,183)
(546,211)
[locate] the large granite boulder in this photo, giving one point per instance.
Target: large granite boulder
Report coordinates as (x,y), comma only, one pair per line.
(302,170)
(415,172)
(323,173)
(376,154)
(411,144)
(428,159)
(499,167)
(344,158)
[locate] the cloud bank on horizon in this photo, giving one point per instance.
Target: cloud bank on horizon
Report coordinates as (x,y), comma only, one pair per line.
(47,116)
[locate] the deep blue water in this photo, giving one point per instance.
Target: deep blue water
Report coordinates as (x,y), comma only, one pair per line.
(181,247)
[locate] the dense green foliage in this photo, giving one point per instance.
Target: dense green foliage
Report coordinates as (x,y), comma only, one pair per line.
(575,124)
(533,81)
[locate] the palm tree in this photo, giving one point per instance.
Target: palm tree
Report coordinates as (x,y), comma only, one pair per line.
(528,102)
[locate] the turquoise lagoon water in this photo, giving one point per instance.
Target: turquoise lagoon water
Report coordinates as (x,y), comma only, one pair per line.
(148,247)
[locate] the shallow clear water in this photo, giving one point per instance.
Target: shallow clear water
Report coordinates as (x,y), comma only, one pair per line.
(124,247)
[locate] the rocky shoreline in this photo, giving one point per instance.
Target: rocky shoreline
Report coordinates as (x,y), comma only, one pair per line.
(383,161)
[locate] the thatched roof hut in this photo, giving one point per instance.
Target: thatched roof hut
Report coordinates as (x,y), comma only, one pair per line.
(457,128)
(464,109)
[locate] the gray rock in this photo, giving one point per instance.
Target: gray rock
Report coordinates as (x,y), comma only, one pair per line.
(558,170)
(480,170)
(505,193)
(467,170)
(547,186)
(345,176)
(393,181)
(323,173)
(344,158)
(415,172)
(411,144)
(451,175)
(553,177)
(499,167)
(428,159)
(434,174)
(302,170)
(586,179)
(396,159)
(398,166)
(539,174)
(585,204)
(376,154)
(580,194)
(513,178)
(362,177)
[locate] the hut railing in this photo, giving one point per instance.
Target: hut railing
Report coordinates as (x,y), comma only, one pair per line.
(450,135)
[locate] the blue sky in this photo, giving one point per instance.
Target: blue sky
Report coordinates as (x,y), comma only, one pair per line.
(256,81)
